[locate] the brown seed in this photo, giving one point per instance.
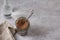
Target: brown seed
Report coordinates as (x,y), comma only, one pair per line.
(22,23)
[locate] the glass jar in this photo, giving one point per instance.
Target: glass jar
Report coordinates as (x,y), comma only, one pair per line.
(22,25)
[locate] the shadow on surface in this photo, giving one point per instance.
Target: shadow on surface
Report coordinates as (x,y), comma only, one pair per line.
(34,33)
(36,30)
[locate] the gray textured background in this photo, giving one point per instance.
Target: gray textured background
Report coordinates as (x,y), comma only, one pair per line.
(45,22)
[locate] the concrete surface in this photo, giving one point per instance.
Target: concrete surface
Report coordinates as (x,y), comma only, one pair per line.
(45,22)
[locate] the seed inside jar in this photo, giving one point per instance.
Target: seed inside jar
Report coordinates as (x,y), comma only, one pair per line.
(22,23)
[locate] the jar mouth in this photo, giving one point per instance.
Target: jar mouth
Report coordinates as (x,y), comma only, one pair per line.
(22,23)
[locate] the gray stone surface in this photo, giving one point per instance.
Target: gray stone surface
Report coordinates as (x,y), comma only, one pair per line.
(45,22)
